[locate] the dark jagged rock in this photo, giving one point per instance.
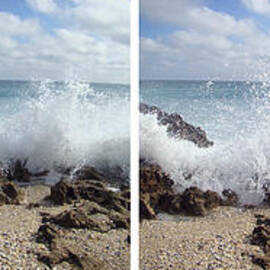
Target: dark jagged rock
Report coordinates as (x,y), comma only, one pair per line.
(10,193)
(231,198)
(158,195)
(59,250)
(196,202)
(92,216)
(177,127)
(63,192)
(154,183)
(146,210)
(261,237)
(89,173)
(46,234)
(102,209)
(67,192)
(17,171)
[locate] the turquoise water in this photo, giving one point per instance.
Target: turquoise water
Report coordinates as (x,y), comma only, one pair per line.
(64,123)
(235,115)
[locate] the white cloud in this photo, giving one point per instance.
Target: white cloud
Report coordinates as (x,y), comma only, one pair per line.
(258,6)
(94,48)
(108,17)
(13,25)
(207,45)
(44,6)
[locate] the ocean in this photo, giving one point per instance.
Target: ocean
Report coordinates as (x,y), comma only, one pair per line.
(235,116)
(67,124)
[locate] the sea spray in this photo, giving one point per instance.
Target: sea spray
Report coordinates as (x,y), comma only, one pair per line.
(68,124)
(235,116)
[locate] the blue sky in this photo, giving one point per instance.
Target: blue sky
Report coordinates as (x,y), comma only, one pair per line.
(205,39)
(65,39)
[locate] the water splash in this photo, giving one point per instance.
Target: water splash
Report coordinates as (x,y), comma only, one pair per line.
(239,125)
(68,124)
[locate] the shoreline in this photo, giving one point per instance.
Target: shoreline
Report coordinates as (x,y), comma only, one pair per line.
(19,225)
(219,240)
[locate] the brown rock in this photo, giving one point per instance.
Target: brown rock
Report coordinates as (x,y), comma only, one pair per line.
(261,237)
(196,202)
(92,216)
(10,193)
(63,192)
(68,192)
(146,211)
(231,198)
(89,173)
(177,127)
(60,251)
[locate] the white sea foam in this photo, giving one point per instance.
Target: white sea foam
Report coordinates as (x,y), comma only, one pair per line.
(240,160)
(67,124)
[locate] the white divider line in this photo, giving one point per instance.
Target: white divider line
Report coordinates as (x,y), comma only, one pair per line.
(134,131)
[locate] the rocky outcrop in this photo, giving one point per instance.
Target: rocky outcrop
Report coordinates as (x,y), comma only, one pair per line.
(261,237)
(93,206)
(90,173)
(18,171)
(60,250)
(90,215)
(177,127)
(91,190)
(10,193)
(157,195)
(102,209)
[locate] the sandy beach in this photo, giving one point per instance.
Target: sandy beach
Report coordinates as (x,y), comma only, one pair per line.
(20,223)
(220,240)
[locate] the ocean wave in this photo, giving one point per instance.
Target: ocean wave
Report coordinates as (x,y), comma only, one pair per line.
(67,124)
(240,162)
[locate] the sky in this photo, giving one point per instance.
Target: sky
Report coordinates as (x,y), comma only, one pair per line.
(65,39)
(205,39)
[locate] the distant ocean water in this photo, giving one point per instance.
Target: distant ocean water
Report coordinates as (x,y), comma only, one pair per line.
(64,124)
(235,115)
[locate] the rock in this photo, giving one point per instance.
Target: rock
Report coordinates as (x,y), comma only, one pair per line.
(68,192)
(17,171)
(177,127)
(89,173)
(146,211)
(171,203)
(154,181)
(196,202)
(63,192)
(92,216)
(61,250)
(231,198)
(101,210)
(46,234)
(11,194)
(261,237)
(157,195)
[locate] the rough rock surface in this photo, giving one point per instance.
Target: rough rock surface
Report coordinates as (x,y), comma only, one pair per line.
(261,237)
(92,216)
(89,172)
(157,195)
(60,250)
(177,127)
(10,193)
(91,190)
(92,206)
(17,170)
